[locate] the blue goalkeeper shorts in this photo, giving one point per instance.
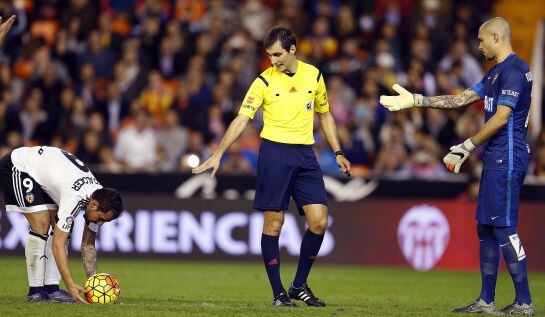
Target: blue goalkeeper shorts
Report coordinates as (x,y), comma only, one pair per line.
(288,170)
(499,195)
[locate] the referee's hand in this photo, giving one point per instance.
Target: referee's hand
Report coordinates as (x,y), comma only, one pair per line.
(344,165)
(213,162)
(5,27)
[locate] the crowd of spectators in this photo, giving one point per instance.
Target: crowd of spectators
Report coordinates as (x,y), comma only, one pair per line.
(141,85)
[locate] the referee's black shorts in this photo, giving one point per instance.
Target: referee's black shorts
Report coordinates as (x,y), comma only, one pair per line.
(288,170)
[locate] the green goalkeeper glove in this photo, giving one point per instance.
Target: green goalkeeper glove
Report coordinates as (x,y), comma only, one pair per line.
(458,155)
(403,101)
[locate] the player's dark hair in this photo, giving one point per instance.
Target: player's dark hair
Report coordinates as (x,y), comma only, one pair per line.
(282,34)
(109,199)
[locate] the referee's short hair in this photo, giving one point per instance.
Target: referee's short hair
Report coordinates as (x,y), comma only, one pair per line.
(282,34)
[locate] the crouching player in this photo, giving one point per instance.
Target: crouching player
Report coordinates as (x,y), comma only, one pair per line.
(50,187)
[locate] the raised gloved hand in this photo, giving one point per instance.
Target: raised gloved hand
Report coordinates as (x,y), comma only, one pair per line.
(404,100)
(458,155)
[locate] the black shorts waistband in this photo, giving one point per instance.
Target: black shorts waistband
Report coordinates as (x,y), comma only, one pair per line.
(289,145)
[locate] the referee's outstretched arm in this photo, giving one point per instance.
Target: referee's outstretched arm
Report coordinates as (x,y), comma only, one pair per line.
(233,132)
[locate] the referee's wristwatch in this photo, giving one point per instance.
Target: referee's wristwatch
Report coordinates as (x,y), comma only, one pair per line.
(340,152)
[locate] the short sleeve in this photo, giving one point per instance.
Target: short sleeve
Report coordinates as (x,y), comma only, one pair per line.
(254,97)
(478,88)
(68,211)
(321,104)
(510,87)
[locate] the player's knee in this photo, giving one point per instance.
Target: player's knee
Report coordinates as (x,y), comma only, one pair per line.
(318,226)
(273,227)
(489,268)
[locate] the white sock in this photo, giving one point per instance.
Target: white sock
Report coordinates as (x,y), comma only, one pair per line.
(52,275)
(35,258)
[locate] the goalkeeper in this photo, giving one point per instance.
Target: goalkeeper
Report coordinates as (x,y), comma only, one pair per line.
(506,90)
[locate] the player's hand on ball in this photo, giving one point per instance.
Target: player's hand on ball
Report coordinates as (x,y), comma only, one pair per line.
(213,162)
(458,155)
(404,100)
(74,290)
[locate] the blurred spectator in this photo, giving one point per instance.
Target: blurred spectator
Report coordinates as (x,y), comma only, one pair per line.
(87,85)
(346,22)
(471,70)
(114,109)
(439,126)
(172,139)
(9,117)
(96,124)
(235,162)
(256,18)
(34,119)
(195,147)
(13,140)
(50,86)
(82,14)
(424,162)
(320,45)
(341,99)
(89,150)
(98,55)
(137,143)
(170,59)
(156,96)
(393,152)
(108,162)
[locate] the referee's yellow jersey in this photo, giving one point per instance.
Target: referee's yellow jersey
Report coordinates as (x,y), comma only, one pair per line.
(288,102)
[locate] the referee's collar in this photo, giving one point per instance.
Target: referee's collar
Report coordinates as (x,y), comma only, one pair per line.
(291,74)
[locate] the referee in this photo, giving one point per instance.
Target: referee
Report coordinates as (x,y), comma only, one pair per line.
(289,91)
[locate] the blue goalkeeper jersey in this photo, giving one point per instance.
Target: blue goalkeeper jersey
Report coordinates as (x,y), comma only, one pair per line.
(508,83)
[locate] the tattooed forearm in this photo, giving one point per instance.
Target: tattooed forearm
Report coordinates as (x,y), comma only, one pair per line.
(89,258)
(88,251)
(467,97)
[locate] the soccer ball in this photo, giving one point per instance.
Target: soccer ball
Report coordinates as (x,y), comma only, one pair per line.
(101,288)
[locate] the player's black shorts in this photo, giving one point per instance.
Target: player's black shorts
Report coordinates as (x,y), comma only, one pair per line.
(21,192)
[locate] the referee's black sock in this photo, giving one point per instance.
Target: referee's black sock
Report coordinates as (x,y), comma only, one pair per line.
(309,250)
(271,258)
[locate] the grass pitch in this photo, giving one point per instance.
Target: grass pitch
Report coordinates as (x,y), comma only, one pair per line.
(181,288)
